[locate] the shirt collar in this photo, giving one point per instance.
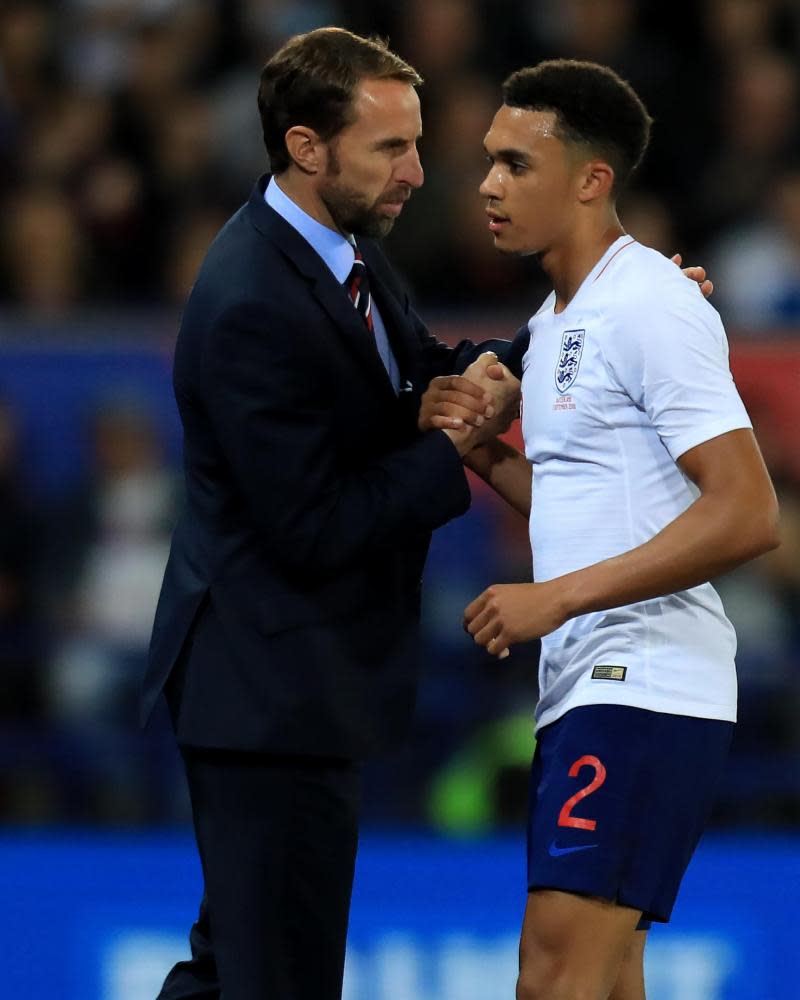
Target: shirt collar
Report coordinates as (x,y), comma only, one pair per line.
(337,251)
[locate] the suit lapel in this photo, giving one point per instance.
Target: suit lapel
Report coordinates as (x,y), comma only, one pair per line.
(398,329)
(331,296)
(335,301)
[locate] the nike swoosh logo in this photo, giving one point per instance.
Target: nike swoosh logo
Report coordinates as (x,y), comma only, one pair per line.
(555,851)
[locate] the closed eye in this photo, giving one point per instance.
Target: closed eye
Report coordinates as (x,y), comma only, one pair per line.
(394,146)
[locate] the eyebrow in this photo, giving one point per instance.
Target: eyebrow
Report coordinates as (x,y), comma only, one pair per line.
(509,155)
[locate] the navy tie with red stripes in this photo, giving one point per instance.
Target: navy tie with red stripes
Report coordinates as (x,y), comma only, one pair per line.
(357,285)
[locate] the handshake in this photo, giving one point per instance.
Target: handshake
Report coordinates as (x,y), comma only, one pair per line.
(472,408)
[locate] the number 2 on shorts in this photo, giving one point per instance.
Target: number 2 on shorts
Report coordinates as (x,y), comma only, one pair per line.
(565,817)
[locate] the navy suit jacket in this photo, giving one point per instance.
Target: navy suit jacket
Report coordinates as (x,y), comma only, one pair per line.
(292,591)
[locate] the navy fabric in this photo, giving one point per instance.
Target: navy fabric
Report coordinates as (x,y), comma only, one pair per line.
(286,627)
(275,923)
(294,576)
(619,800)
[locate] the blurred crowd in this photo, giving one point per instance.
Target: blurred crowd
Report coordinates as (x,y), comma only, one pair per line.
(129,132)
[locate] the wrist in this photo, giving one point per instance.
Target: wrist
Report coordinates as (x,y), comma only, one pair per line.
(489,456)
(479,459)
(459,440)
(572,594)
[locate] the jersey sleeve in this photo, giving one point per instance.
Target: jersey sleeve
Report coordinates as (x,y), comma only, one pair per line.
(670,354)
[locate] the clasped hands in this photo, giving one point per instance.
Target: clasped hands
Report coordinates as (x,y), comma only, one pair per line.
(472,408)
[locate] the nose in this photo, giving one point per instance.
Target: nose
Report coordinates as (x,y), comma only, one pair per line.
(410,170)
(491,186)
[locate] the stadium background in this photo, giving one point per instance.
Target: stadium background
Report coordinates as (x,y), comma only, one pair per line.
(128,133)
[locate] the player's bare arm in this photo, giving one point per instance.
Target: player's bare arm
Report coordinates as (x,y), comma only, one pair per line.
(734,519)
(506,470)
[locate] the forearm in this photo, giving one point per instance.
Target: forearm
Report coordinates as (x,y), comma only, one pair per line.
(711,537)
(506,470)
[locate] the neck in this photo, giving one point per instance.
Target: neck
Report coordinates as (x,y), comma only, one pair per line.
(304,195)
(568,262)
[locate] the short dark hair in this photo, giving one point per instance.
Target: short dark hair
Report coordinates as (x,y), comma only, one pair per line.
(311,81)
(594,107)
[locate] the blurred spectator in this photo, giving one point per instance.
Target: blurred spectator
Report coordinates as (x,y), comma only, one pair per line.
(757,265)
(235,126)
(736,27)
(26,55)
(759,122)
(441,37)
(44,251)
(647,219)
(107,559)
(61,142)
(112,205)
(191,239)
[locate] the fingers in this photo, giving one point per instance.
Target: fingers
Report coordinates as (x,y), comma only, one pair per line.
(460,404)
(497,371)
(474,609)
(695,273)
(677,259)
(457,383)
(493,639)
(443,423)
(498,647)
(442,414)
(481,622)
(478,368)
(452,401)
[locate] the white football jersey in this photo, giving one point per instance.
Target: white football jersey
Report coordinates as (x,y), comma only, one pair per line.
(632,374)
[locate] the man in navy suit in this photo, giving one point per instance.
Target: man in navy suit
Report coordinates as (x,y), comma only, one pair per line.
(285,632)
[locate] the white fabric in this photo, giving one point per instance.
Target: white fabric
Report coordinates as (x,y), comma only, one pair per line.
(643,361)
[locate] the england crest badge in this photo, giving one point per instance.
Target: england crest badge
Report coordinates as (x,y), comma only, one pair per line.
(569,360)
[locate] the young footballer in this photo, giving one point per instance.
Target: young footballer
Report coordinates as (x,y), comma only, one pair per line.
(646,483)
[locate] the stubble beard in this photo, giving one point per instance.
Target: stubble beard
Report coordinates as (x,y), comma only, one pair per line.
(348,209)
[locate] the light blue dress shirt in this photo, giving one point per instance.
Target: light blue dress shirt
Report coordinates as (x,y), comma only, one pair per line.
(338,253)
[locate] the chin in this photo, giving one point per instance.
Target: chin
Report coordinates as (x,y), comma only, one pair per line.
(509,249)
(374,228)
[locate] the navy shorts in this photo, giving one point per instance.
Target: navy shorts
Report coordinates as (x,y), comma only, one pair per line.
(619,799)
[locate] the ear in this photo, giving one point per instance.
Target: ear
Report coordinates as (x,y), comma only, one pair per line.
(306,148)
(596,181)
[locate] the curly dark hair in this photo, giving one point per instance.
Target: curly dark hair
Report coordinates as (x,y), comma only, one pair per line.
(594,107)
(311,81)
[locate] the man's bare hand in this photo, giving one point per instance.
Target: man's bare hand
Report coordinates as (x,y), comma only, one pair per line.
(453,401)
(506,614)
(492,377)
(697,274)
